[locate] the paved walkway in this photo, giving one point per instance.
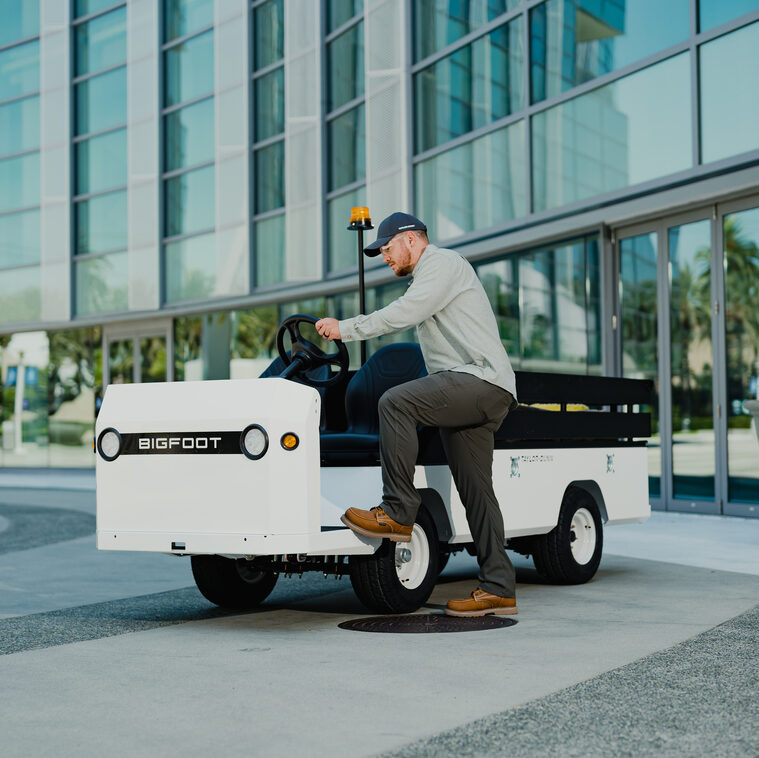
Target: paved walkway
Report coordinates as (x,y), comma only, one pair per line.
(118,653)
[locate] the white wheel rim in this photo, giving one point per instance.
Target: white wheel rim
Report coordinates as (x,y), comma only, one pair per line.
(412,559)
(583,528)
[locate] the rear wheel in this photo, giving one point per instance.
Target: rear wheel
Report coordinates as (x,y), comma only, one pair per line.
(231,583)
(400,576)
(571,552)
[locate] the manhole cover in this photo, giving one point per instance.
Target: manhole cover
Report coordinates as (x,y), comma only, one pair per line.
(426,623)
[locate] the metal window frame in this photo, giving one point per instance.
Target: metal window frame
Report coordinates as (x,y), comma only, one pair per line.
(19,42)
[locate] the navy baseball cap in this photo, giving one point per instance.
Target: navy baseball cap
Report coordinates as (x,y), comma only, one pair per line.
(394,224)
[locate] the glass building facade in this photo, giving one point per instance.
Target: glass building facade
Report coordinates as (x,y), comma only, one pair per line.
(176,176)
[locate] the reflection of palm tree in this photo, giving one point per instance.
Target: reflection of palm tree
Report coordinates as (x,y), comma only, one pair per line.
(741,312)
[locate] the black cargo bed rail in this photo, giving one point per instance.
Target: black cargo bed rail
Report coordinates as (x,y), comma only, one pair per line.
(530,423)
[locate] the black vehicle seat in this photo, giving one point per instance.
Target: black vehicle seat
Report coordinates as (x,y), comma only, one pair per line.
(389,366)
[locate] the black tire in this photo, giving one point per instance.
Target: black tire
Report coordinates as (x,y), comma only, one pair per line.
(231,583)
(553,553)
(375,577)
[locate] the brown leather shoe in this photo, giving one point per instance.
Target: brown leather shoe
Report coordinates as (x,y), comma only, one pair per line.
(376,523)
(481,603)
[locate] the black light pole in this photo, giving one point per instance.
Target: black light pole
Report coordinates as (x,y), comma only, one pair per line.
(360,221)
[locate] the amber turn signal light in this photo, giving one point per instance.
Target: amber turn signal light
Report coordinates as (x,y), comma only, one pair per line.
(289,441)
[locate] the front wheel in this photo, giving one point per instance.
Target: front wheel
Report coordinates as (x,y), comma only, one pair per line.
(231,583)
(400,576)
(571,552)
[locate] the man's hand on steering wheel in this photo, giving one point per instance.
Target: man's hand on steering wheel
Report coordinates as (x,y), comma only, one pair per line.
(329,328)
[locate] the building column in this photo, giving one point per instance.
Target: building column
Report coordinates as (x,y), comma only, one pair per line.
(232,149)
(388,157)
(303,141)
(143,166)
(55,160)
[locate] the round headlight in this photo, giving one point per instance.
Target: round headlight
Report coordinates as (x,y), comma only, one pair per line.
(254,441)
(109,444)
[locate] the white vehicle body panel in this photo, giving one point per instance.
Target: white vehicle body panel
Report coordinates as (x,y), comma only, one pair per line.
(285,503)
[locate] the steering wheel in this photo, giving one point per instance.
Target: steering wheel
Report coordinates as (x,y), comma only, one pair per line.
(304,355)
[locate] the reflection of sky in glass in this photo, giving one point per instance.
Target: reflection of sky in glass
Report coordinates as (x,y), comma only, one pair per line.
(729,95)
(627,132)
(573,41)
(711,13)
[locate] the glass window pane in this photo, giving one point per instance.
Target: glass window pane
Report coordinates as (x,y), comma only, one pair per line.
(269,33)
(254,347)
(473,87)
(190,268)
(20,126)
(101,223)
(101,102)
(21,19)
(190,202)
(500,280)
(712,13)
(152,359)
(270,177)
(269,250)
(474,186)
(437,24)
(85,7)
(639,322)
(20,294)
(20,70)
(189,69)
(342,248)
(729,107)
(627,132)
(101,284)
(270,104)
(574,41)
(101,42)
(75,377)
(553,309)
(345,67)
(693,462)
(346,136)
(340,11)
(101,163)
(741,243)
(186,16)
(20,182)
(20,238)
(189,135)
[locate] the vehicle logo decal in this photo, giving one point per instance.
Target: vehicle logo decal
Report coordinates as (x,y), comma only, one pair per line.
(610,464)
(181,443)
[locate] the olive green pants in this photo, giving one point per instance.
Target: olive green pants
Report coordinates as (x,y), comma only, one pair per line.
(467,411)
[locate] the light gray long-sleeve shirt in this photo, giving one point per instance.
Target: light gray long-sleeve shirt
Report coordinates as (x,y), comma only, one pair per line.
(447,304)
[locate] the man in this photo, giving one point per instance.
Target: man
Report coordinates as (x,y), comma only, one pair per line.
(467,394)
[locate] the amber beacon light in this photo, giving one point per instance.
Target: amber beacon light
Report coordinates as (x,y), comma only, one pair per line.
(360,219)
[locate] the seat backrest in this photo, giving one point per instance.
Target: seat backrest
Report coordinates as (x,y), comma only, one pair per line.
(389,366)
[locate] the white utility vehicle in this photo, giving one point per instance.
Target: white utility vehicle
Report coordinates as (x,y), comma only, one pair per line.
(250,477)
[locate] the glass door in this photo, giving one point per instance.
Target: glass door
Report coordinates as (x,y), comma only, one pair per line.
(739,233)
(637,323)
(665,305)
(138,353)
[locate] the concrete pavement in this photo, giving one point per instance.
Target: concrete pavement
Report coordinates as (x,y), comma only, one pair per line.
(117,652)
